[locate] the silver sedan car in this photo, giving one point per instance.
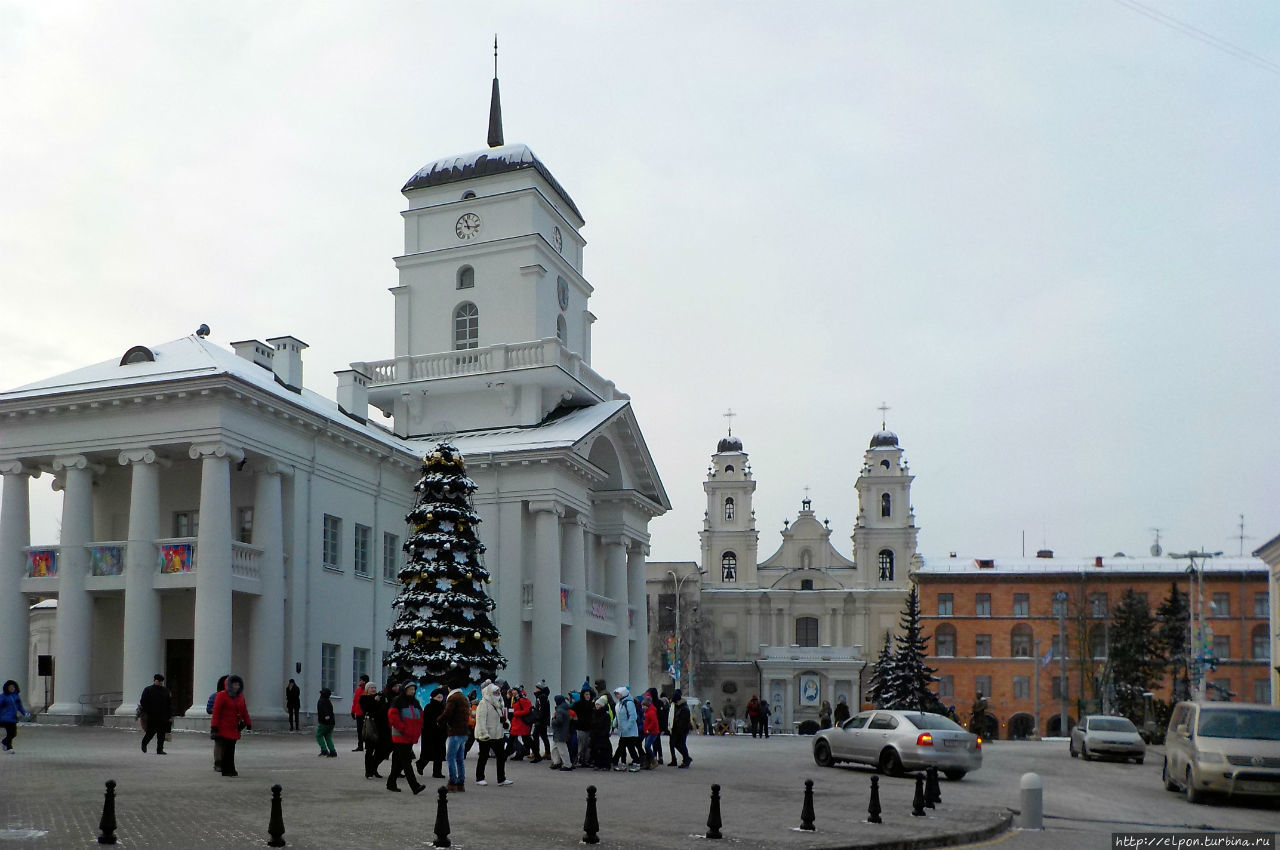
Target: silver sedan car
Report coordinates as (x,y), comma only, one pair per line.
(1104,736)
(896,741)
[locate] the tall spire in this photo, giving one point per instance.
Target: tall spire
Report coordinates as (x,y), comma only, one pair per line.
(495,104)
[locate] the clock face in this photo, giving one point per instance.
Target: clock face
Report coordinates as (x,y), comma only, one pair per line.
(559,240)
(468,226)
(562,294)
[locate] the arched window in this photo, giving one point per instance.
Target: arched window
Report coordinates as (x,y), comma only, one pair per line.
(806,631)
(729,567)
(728,509)
(466,326)
(945,641)
(886,565)
(562,330)
(728,467)
(468,195)
(1261,644)
(466,277)
(886,505)
(1020,641)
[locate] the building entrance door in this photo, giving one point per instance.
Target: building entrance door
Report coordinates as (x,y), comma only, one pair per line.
(179,664)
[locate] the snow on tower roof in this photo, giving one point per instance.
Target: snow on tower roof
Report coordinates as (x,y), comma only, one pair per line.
(482,163)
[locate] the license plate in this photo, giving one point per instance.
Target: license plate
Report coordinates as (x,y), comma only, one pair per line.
(953,744)
(1259,787)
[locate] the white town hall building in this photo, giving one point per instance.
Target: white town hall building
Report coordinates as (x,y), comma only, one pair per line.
(218,517)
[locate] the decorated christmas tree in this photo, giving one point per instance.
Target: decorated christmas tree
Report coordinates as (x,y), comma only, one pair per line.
(443,633)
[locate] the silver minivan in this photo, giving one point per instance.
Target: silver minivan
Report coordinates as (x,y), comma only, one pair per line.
(1228,747)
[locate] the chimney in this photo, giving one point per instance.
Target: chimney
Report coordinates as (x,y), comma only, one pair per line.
(353,394)
(287,361)
(255,352)
(1044,553)
(1097,561)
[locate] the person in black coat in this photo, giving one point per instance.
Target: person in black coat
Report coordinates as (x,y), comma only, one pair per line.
(681,723)
(584,712)
(155,707)
(433,735)
(293,704)
(541,722)
(376,705)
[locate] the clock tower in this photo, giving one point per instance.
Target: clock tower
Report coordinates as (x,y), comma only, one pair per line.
(729,536)
(492,326)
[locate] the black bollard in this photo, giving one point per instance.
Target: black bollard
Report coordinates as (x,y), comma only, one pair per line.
(275,828)
(806,811)
(591,825)
(442,819)
(108,822)
(932,793)
(713,816)
(917,803)
(873,808)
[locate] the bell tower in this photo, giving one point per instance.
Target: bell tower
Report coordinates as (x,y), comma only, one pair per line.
(729,537)
(884,534)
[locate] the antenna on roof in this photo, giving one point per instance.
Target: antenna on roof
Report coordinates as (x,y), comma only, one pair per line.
(495,104)
(1242,537)
(1156,549)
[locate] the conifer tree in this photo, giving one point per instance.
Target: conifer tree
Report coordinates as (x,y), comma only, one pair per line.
(1134,652)
(443,633)
(1172,640)
(911,682)
(879,686)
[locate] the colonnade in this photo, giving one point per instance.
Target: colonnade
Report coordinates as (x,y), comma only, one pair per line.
(142,651)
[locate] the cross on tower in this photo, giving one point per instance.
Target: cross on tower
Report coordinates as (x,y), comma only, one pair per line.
(883,408)
(729,414)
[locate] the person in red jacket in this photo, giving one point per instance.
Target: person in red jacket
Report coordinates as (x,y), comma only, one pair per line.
(652,732)
(357,713)
(230,715)
(521,725)
(405,718)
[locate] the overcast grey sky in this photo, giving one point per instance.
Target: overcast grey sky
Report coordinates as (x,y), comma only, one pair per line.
(1045,234)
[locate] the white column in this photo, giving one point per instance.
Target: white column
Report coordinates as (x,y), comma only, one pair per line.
(143,655)
(505,563)
(576,664)
(213,569)
(617,649)
(639,674)
(15,536)
(266,629)
(546,594)
(73,641)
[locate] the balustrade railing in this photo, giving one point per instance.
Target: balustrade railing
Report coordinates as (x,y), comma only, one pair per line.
(526,595)
(601,607)
(246,561)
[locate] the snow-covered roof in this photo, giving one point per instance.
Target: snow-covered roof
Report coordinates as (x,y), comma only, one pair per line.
(184,359)
(482,163)
(560,433)
(940,566)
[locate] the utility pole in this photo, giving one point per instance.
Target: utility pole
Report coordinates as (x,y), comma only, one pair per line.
(1197,643)
(1035,663)
(1060,599)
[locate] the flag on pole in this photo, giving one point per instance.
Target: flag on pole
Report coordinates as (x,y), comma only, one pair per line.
(1046,658)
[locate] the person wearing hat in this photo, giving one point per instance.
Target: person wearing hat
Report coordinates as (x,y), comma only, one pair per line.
(155,710)
(601,723)
(628,722)
(230,715)
(541,722)
(491,728)
(433,735)
(681,723)
(325,721)
(405,718)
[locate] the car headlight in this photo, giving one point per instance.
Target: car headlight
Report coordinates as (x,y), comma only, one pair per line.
(1210,758)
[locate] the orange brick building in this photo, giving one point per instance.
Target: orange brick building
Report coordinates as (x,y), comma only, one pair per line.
(994,629)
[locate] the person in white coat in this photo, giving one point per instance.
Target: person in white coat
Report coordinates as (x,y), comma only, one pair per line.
(491,729)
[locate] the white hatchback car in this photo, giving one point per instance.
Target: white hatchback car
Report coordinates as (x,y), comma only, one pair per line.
(1104,736)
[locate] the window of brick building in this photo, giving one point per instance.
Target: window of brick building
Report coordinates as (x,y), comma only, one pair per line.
(1222,605)
(1020,638)
(946,686)
(982,605)
(982,686)
(1022,687)
(1261,604)
(1021,605)
(1260,646)
(944,604)
(945,638)
(982,646)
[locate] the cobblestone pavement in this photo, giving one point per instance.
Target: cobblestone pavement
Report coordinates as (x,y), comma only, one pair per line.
(52,792)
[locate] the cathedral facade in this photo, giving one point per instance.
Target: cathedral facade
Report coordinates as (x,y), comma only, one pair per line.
(798,627)
(220,518)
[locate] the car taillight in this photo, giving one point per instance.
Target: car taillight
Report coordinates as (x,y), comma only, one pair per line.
(979,742)
(924,740)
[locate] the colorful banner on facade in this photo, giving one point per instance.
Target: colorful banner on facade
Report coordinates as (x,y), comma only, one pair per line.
(809,691)
(42,563)
(106,560)
(178,558)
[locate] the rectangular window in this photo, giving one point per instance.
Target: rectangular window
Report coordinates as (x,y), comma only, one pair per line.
(806,631)
(329,666)
(359,665)
(1221,647)
(982,686)
(1221,605)
(1098,606)
(982,646)
(1057,691)
(1055,644)
(1021,605)
(390,557)
(1098,643)
(945,643)
(186,523)
(1262,691)
(1020,644)
(946,686)
(944,604)
(666,612)
(244,525)
(332,542)
(982,605)
(1261,646)
(1022,687)
(1261,605)
(360,554)
(1060,605)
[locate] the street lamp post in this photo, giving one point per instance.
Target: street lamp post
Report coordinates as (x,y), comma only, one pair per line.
(1196,643)
(1060,599)
(679,581)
